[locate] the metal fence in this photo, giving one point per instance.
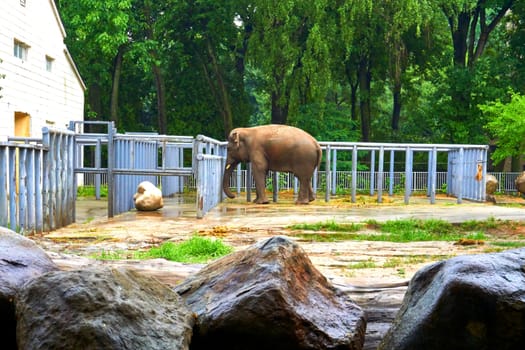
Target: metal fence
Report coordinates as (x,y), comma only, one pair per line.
(343,181)
(131,159)
(37,191)
(208,164)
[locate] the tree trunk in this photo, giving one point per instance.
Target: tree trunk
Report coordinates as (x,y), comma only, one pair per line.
(396,111)
(399,62)
(459,37)
(161,99)
(223,95)
(279,109)
(463,26)
(365,78)
(95,101)
(354,84)
(115,86)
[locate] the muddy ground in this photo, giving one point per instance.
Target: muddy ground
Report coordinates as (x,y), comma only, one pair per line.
(241,224)
(375,274)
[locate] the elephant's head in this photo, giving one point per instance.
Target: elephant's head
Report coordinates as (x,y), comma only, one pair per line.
(237,152)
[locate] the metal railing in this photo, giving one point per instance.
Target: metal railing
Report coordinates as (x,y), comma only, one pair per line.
(37,191)
(344,181)
(208,164)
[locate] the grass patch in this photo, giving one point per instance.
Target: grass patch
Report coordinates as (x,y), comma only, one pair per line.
(328,237)
(89,191)
(195,250)
(404,230)
(328,226)
(475,225)
(367,264)
(396,262)
(508,244)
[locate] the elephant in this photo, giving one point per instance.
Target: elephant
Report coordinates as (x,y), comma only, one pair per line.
(273,147)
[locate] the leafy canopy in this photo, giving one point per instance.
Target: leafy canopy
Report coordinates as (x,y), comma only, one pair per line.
(507,125)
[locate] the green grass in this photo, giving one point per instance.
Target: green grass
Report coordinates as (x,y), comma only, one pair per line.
(508,244)
(367,264)
(405,230)
(328,226)
(195,250)
(396,262)
(89,191)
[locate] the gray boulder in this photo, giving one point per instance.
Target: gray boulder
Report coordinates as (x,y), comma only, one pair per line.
(101,309)
(20,261)
(491,185)
(468,302)
(520,183)
(148,197)
(270,296)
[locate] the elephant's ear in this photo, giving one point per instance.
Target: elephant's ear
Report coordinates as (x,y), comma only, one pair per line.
(234,138)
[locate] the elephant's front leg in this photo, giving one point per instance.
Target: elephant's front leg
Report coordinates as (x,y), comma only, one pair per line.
(259,175)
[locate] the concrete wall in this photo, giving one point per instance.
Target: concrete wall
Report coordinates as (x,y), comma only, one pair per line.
(49,98)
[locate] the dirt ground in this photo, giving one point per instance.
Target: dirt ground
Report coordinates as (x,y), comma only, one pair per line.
(373,274)
(237,223)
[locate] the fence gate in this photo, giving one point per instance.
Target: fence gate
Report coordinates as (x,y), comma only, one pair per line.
(131,159)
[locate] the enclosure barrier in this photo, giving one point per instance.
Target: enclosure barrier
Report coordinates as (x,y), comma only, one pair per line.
(131,159)
(466,167)
(343,181)
(38,186)
(37,182)
(209,162)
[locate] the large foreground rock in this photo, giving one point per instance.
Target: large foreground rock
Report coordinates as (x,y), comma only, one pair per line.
(270,296)
(101,309)
(468,302)
(20,260)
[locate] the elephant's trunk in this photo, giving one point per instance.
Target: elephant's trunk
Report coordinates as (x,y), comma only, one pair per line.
(226,178)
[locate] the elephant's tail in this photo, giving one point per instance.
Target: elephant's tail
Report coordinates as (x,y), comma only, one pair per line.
(319,156)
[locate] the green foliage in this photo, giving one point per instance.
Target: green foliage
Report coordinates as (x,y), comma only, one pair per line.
(509,244)
(326,121)
(328,226)
(254,62)
(367,264)
(195,250)
(506,123)
(404,230)
(89,191)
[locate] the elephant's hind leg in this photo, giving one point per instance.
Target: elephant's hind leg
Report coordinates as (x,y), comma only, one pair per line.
(311,194)
(305,192)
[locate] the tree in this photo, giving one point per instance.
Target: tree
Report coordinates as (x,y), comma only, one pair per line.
(507,126)
(98,35)
(471,22)
(289,45)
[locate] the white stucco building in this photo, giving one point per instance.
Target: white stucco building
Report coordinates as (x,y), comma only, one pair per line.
(41,85)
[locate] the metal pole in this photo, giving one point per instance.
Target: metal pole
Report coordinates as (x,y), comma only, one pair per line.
(328,175)
(380,175)
(354,173)
(408,172)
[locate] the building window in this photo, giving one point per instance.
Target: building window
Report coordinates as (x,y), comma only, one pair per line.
(49,63)
(20,50)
